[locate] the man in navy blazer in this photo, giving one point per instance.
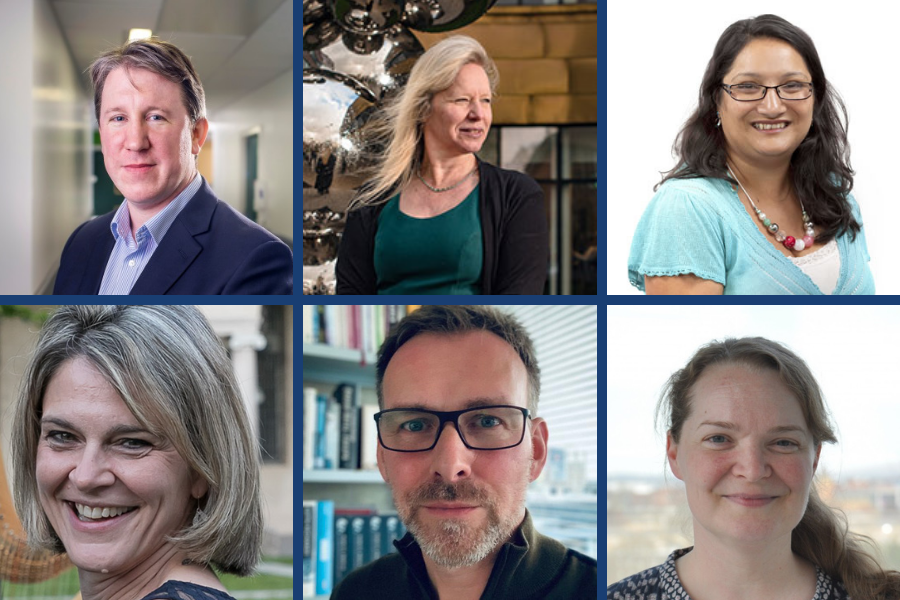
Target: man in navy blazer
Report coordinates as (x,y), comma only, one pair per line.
(171,235)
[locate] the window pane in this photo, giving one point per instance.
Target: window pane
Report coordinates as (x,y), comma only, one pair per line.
(488,152)
(552,213)
(530,150)
(579,152)
(579,260)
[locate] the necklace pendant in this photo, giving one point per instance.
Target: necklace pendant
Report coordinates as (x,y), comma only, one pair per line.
(773,227)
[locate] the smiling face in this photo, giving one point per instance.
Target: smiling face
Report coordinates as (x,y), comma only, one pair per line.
(94,455)
(745,455)
(748,125)
(146,136)
(460,504)
(460,115)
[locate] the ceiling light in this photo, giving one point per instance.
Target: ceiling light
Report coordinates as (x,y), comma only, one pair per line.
(139,34)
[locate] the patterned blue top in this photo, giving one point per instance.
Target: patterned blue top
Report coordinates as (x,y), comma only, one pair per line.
(700,226)
(182,590)
(662,583)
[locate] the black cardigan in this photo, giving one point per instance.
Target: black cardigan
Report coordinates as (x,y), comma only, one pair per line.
(514,232)
(529,566)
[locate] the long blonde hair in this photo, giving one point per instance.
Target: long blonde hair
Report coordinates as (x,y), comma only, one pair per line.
(434,72)
(822,536)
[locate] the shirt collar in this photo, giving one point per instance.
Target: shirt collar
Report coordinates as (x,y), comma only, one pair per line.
(159,224)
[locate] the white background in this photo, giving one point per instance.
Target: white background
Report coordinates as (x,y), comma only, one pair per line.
(666,46)
(852,352)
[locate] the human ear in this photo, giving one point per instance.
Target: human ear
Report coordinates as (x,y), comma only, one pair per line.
(672,454)
(539,437)
(198,135)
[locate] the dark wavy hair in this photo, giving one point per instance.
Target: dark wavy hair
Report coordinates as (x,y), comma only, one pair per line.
(820,166)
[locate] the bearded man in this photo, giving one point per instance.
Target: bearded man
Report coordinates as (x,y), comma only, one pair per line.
(459,442)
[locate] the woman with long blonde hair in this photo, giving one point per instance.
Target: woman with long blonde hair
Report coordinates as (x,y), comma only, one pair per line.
(434,218)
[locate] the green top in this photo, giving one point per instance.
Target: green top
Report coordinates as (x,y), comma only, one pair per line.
(440,255)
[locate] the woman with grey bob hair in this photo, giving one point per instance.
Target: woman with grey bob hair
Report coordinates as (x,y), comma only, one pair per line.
(135,454)
(434,218)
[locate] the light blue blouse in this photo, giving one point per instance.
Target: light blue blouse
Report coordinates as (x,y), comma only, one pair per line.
(699,226)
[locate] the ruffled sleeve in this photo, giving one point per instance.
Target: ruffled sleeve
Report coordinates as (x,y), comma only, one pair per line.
(681,232)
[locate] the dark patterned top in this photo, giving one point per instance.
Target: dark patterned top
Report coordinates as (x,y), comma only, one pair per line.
(182,590)
(662,583)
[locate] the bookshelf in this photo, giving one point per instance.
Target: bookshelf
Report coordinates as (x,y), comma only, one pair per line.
(324,368)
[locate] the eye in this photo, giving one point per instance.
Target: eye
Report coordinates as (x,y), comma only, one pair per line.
(717,439)
(746,87)
(116,119)
(134,444)
(414,426)
(59,437)
(787,444)
(159,117)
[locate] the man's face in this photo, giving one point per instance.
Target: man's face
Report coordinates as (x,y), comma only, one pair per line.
(460,504)
(146,135)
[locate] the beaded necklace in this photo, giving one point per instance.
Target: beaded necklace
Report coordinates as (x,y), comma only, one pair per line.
(789,241)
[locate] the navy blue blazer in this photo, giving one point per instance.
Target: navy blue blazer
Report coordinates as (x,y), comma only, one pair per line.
(209,249)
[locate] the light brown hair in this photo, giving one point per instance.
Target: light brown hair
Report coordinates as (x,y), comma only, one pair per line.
(822,536)
(164,59)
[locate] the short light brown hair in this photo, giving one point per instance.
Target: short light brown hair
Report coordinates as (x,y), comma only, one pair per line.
(173,374)
(164,59)
(462,319)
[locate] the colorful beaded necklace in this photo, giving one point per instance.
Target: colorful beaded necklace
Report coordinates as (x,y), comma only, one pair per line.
(790,242)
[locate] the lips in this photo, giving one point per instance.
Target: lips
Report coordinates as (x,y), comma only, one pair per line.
(471,132)
(139,168)
(751,500)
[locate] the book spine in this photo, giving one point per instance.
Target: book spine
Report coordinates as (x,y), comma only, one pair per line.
(309,427)
(321,408)
(358,532)
(346,394)
(368,437)
(341,547)
(309,548)
(325,554)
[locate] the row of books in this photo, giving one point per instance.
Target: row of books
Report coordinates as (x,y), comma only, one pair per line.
(338,432)
(357,327)
(336,541)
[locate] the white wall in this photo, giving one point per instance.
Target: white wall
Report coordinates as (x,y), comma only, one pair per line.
(61,170)
(44,146)
(653,76)
(270,110)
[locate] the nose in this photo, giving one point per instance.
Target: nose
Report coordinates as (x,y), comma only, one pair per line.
(771,102)
(92,470)
(451,459)
(136,138)
(751,463)
(477,110)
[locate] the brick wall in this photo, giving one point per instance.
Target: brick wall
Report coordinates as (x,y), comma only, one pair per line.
(547,57)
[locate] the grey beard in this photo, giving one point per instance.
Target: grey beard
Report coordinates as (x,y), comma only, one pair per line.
(456,543)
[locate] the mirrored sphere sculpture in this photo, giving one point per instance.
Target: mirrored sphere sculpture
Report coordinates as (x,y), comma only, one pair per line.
(356,55)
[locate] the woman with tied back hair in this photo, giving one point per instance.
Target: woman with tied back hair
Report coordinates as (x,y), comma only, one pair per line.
(759,200)
(434,218)
(134,453)
(745,423)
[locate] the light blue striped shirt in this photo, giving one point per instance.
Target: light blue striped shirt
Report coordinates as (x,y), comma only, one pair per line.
(131,254)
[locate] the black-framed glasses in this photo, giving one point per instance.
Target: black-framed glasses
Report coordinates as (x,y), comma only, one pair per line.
(749,92)
(481,428)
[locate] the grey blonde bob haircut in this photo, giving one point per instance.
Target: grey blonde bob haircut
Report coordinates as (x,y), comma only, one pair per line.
(175,377)
(164,59)
(449,320)
(405,116)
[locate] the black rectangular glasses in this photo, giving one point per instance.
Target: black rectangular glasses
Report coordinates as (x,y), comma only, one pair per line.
(481,428)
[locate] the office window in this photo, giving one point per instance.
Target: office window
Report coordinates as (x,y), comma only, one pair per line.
(563,160)
(563,500)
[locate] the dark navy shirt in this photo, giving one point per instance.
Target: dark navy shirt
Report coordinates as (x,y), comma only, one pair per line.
(662,583)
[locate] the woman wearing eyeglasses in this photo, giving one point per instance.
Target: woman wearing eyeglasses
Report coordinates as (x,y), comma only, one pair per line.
(759,201)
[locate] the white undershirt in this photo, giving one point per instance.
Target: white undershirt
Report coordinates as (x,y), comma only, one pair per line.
(823,266)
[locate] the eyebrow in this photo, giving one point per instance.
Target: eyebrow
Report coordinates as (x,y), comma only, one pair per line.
(791,74)
(148,109)
(732,426)
(472,403)
(117,430)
